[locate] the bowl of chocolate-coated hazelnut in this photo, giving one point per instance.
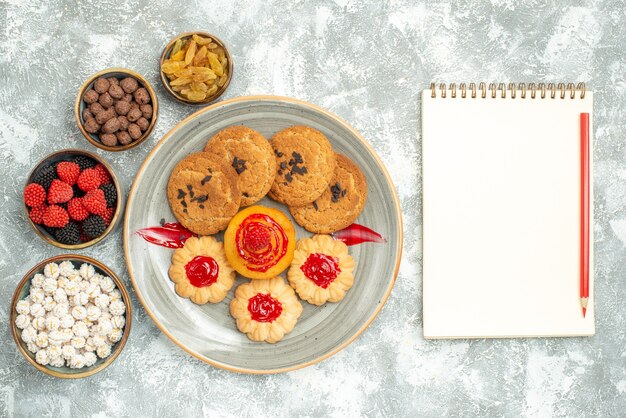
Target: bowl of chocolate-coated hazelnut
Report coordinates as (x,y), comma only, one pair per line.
(116,109)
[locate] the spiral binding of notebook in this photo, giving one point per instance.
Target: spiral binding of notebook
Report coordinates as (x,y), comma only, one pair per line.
(510,90)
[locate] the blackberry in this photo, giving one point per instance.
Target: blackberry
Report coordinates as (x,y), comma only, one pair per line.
(110,194)
(69,234)
(45,175)
(77,191)
(94,226)
(84,162)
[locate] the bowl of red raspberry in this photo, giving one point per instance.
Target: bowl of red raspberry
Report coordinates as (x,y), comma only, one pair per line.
(72,199)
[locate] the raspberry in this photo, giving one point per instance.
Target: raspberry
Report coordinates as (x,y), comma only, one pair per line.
(68,172)
(44,176)
(59,192)
(84,162)
(36,214)
(55,217)
(76,210)
(88,179)
(95,202)
(94,226)
(110,194)
(108,216)
(256,238)
(34,195)
(103,173)
(69,234)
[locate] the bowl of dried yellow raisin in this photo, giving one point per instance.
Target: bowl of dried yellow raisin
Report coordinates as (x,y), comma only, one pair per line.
(196,68)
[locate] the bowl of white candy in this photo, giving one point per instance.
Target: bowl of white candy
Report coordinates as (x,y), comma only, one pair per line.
(70,316)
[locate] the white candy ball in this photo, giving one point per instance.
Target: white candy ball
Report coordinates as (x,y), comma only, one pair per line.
(66,268)
(42,356)
(37,295)
(90,358)
(67,335)
(103,351)
(77,342)
(57,361)
(49,303)
(84,284)
(80,329)
(49,285)
(67,351)
(39,323)
(23,307)
(32,347)
(72,288)
(60,296)
(51,270)
(29,334)
(98,340)
(37,280)
(67,321)
(107,284)
(93,313)
(117,308)
(118,322)
(115,335)
(60,310)
(79,299)
(52,323)
(54,351)
(87,271)
(37,310)
(22,321)
(93,290)
(96,279)
(56,338)
(102,301)
(62,282)
(104,327)
(42,339)
(79,312)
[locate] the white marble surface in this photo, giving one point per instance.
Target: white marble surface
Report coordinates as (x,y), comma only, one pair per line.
(367,62)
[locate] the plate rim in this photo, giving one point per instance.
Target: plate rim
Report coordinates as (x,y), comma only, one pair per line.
(380,165)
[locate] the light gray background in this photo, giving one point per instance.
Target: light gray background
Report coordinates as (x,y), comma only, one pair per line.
(365,61)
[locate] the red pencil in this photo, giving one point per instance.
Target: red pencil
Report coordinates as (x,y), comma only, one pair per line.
(584,211)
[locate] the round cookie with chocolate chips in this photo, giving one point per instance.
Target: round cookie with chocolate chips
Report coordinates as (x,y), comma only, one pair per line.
(252,157)
(305,163)
(203,193)
(339,205)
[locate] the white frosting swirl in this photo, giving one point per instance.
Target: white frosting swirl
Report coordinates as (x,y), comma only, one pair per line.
(39,323)
(102,301)
(67,321)
(37,310)
(90,358)
(77,342)
(93,313)
(67,351)
(57,361)
(54,351)
(115,335)
(72,288)
(79,299)
(37,295)
(118,322)
(60,296)
(107,285)
(42,339)
(79,312)
(49,303)
(80,329)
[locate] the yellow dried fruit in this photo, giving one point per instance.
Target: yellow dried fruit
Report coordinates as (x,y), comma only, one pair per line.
(200,40)
(191,51)
(197,67)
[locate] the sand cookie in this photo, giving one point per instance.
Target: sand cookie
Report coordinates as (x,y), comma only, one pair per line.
(252,157)
(201,271)
(321,270)
(265,310)
(339,205)
(305,163)
(203,193)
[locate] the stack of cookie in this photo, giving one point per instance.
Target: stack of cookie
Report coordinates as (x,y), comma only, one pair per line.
(325,191)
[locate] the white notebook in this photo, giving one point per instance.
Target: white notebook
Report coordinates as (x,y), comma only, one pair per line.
(502,211)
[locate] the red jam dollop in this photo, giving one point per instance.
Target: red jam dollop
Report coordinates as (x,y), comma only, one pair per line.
(169,235)
(202,271)
(261,242)
(321,269)
(264,308)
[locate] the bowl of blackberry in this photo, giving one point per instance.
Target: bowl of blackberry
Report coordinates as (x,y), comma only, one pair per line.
(72,199)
